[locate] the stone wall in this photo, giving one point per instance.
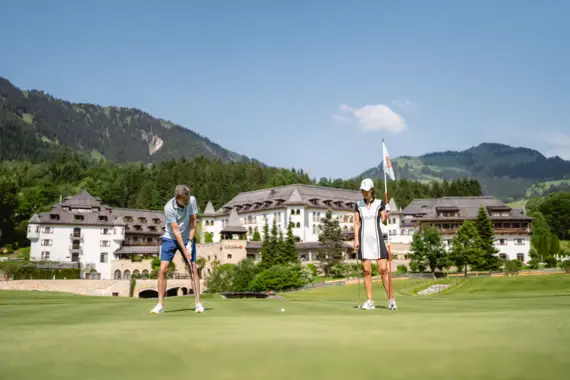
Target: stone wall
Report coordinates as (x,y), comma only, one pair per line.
(108,288)
(82,287)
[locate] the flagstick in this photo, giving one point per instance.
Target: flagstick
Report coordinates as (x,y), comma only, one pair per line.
(387,218)
(389,255)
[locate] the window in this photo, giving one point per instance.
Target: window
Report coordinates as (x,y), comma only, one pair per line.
(136,273)
(78,217)
(117,275)
(45,255)
(520,257)
(105,231)
(502,242)
(104,243)
(102,218)
(46,243)
(48,230)
(229,256)
(127,275)
(104,257)
(519,241)
(145,273)
(75,257)
(298,225)
(502,256)
(54,217)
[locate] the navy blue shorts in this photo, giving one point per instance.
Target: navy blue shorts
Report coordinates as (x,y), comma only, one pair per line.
(169,248)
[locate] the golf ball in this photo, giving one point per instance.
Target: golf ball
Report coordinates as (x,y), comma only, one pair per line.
(282,310)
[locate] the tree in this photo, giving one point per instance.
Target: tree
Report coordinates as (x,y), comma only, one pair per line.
(330,251)
(266,256)
(541,239)
(290,249)
(466,247)
(554,246)
(428,251)
(556,210)
(489,261)
(256,236)
(208,238)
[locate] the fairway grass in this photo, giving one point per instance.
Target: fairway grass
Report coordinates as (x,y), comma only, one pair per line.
(480,328)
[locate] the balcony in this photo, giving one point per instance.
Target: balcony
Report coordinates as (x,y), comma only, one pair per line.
(74,250)
(75,236)
(513,231)
(140,244)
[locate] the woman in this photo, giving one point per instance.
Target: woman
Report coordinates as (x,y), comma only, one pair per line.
(369,242)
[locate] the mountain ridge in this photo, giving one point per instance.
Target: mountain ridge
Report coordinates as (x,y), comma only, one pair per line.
(503,170)
(121,134)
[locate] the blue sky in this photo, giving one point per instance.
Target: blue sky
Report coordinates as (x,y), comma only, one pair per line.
(310,84)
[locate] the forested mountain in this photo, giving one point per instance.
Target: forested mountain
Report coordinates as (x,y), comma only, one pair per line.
(27,188)
(503,171)
(33,124)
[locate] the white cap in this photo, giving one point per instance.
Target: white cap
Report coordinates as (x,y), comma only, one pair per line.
(366,184)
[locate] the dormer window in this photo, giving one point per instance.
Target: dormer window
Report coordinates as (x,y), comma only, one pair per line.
(54,217)
(128,219)
(102,218)
(156,220)
(142,219)
(78,217)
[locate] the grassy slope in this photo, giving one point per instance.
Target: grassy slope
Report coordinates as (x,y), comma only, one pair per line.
(543,188)
(476,330)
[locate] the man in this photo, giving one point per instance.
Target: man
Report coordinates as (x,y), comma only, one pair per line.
(180,213)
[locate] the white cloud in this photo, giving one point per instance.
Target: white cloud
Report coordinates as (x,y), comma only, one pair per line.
(376,117)
(559,144)
(405,103)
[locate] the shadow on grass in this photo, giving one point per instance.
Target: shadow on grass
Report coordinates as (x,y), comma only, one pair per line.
(187,309)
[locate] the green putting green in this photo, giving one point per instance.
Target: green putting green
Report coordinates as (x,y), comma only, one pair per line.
(480,328)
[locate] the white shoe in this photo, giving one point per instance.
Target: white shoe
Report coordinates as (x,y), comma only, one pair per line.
(368,305)
(392,304)
(157,309)
(199,308)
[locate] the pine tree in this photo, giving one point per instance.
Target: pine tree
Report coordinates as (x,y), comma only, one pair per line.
(466,247)
(290,249)
(266,257)
(280,258)
(331,247)
(489,261)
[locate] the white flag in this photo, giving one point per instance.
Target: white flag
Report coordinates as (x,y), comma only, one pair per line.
(388,169)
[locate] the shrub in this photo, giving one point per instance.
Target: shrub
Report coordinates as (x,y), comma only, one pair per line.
(221,278)
(512,267)
(278,278)
(242,275)
(24,254)
(313,269)
(402,269)
(565,265)
(345,270)
(307,276)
